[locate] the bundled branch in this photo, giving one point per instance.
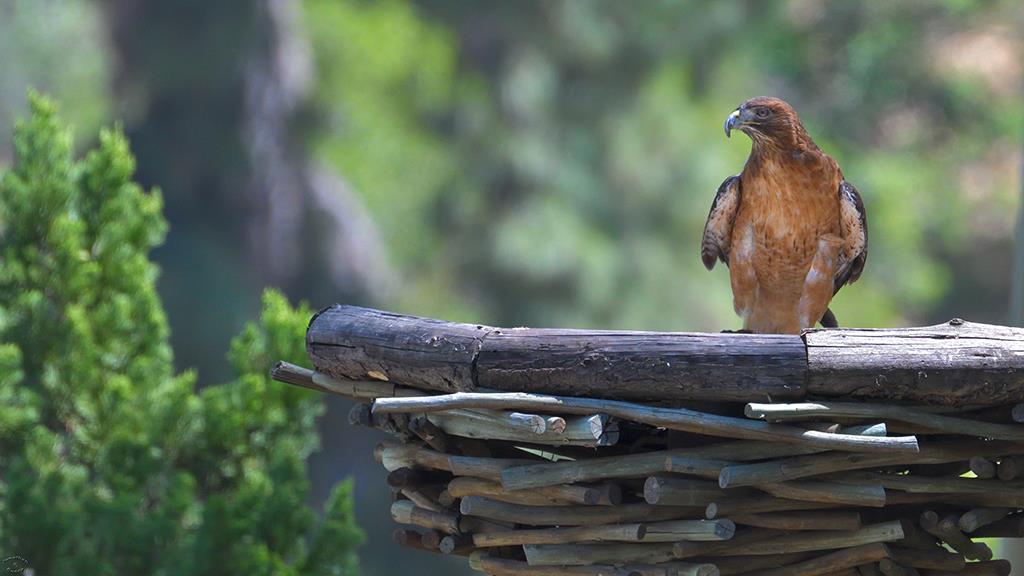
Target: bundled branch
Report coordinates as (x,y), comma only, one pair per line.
(548,453)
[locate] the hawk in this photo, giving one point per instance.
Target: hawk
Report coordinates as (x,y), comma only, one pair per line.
(790,228)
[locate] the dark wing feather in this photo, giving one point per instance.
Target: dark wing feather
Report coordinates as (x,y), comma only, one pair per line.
(854,225)
(718,230)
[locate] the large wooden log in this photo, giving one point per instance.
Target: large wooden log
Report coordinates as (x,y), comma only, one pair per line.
(958,363)
(643,365)
(360,343)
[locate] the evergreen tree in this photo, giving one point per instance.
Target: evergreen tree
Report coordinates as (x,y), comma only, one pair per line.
(110,463)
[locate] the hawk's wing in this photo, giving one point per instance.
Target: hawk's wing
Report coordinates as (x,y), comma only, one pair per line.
(854,226)
(718,230)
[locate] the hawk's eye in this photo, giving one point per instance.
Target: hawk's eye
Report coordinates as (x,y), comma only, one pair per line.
(762,112)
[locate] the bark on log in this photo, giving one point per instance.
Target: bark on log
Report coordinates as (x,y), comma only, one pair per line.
(958,363)
(360,343)
(643,365)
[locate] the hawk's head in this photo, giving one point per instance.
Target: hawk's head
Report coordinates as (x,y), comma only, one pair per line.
(766,120)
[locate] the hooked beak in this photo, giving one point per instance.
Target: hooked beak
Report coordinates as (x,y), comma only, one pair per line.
(732,121)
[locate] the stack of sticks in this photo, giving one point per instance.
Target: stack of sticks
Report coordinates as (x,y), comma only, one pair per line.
(540,485)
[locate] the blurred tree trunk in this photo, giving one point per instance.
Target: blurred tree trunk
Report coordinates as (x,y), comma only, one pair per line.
(211,93)
(1013,550)
(1017,283)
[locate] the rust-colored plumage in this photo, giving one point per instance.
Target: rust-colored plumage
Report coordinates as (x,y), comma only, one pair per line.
(791,230)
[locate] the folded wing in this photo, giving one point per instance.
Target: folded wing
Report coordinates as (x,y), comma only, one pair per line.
(854,226)
(718,230)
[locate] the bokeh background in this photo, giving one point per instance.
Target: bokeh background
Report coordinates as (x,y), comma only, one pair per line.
(544,163)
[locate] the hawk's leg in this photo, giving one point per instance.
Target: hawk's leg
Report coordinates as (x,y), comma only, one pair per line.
(818,285)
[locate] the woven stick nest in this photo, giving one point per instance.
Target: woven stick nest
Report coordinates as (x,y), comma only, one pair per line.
(835,452)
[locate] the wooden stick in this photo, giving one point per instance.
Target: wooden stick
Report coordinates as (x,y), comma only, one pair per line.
(937,422)
(826,520)
(571,515)
(829,492)
(493,566)
(463,486)
(809,541)
(817,464)
(459,545)
(672,569)
(1012,491)
(956,539)
(395,456)
(891,568)
(432,435)
(878,429)
(604,553)
(1009,527)
(977,517)
(421,499)
(982,467)
(915,537)
(588,431)
(753,564)
(555,423)
(833,562)
(757,505)
(672,491)
(405,512)
(695,466)
(603,494)
(490,468)
(691,530)
(410,539)
(686,550)
(988,568)
(601,533)
(951,535)
(432,540)
(934,559)
(671,418)
(405,477)
(352,389)
(473,525)
(640,465)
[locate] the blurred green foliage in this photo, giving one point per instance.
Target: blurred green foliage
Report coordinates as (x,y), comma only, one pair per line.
(110,463)
(553,162)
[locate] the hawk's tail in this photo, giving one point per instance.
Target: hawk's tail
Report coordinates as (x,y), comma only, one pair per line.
(828,320)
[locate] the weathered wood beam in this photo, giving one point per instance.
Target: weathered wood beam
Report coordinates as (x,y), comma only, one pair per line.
(643,365)
(958,363)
